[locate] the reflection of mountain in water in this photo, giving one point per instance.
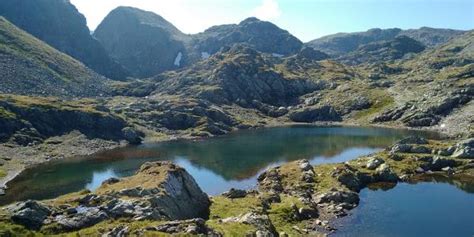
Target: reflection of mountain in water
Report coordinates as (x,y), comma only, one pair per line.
(462,182)
(233,158)
(243,155)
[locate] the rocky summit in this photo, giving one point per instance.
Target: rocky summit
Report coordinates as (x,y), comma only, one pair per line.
(143,42)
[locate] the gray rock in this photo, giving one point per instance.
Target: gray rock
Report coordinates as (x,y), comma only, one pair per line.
(385,174)
(30,214)
(195,226)
(448,170)
(464,152)
(85,217)
(307,213)
(413,140)
(402,148)
(373,163)
(337,197)
(132,135)
(305,165)
(439,163)
(420,149)
(235,193)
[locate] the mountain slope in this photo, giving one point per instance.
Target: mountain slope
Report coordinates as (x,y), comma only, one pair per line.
(143,42)
(58,23)
(146,44)
(343,43)
(385,50)
(28,66)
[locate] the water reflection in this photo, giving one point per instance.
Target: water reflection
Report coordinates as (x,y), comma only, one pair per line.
(421,209)
(98,177)
(216,164)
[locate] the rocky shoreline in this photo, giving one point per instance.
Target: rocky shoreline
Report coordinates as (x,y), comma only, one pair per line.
(292,199)
(76,144)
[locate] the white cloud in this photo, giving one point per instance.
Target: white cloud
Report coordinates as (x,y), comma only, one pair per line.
(268,10)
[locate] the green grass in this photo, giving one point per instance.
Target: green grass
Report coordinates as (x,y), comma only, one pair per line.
(223,207)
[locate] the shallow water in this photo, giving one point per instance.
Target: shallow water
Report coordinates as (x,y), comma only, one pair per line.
(217,164)
(422,209)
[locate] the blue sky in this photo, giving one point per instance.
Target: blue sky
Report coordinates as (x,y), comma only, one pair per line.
(306,19)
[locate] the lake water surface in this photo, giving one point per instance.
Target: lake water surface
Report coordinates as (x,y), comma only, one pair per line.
(423,209)
(217,164)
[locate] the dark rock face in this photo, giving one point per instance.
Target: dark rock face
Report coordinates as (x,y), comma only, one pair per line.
(323,113)
(30,214)
(39,122)
(260,35)
(143,42)
(58,23)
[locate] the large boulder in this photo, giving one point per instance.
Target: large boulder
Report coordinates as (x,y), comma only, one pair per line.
(164,186)
(30,214)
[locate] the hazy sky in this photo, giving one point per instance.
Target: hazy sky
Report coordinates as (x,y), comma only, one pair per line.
(306,19)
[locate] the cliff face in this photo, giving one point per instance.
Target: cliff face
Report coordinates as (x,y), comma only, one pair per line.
(58,23)
(143,42)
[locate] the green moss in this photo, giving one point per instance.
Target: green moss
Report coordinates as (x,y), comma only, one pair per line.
(3,173)
(283,215)
(231,228)
(9,229)
(6,114)
(223,207)
(380,99)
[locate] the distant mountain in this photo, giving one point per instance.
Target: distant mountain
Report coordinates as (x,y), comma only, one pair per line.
(58,23)
(432,37)
(260,35)
(146,44)
(28,66)
(143,42)
(385,50)
(343,43)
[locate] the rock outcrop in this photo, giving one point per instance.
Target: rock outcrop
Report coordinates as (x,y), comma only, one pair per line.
(158,191)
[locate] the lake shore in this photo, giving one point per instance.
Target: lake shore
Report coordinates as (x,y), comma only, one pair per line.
(294,198)
(19,158)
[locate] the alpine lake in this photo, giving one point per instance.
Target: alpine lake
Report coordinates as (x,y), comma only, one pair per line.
(433,207)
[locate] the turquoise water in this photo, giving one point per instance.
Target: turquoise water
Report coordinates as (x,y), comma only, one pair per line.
(217,164)
(422,209)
